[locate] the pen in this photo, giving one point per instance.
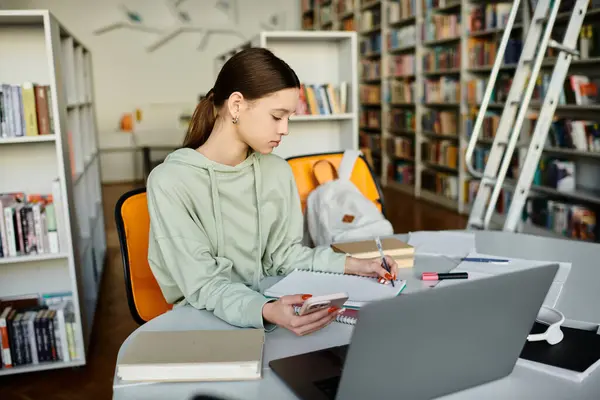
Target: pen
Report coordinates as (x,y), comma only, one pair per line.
(387,267)
(484,260)
(435,276)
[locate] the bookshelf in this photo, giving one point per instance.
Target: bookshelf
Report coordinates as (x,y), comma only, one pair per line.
(53,240)
(430,76)
(326,63)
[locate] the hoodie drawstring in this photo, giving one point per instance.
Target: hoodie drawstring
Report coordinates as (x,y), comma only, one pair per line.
(217,210)
(219,222)
(257,189)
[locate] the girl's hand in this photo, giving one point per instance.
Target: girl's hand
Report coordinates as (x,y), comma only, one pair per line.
(372,267)
(281,313)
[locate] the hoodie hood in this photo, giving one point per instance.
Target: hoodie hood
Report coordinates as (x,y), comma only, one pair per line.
(196,159)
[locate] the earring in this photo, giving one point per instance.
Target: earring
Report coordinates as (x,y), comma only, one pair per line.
(235,120)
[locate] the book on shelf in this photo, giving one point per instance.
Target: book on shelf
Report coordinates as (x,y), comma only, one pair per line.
(441,26)
(25,110)
(371,141)
(441,58)
(37,329)
(567,219)
(370,19)
(402,172)
(443,90)
(578,135)
(471,186)
(401,148)
(326,14)
(402,121)
(370,119)
(401,37)
(482,17)
(401,10)
(440,183)
(370,69)
(344,6)
(348,24)
(440,152)
(402,65)
(323,99)
(307,5)
(400,91)
(31,223)
(433,4)
(440,122)
(370,44)
(588,44)
(370,94)
(482,52)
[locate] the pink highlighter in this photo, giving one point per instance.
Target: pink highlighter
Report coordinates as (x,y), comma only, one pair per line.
(438,276)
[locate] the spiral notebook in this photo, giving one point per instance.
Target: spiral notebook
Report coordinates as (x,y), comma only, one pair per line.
(361,290)
(348,317)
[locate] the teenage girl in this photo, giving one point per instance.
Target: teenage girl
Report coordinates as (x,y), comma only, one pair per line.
(225,212)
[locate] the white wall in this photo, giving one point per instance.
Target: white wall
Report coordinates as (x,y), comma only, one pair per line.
(162,83)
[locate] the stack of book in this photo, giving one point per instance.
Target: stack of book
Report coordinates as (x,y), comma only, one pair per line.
(401,252)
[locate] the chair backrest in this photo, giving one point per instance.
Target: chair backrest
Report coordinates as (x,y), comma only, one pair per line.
(144,296)
(362,176)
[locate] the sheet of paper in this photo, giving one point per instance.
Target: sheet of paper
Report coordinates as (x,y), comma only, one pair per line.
(361,290)
(477,270)
(446,243)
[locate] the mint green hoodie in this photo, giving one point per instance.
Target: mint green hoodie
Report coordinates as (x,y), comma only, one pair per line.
(217,230)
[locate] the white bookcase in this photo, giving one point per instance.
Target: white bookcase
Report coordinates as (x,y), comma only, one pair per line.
(64,162)
(421,29)
(317,58)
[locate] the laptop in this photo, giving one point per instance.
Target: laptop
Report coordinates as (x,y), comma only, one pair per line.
(426,344)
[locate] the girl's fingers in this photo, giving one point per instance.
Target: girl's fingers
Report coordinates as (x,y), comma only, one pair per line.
(321,323)
(393,266)
(381,272)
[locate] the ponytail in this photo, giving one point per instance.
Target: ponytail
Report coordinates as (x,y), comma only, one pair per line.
(202,122)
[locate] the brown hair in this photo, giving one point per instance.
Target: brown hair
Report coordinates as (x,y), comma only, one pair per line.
(255,73)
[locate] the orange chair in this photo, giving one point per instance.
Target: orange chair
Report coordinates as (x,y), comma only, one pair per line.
(144,296)
(362,176)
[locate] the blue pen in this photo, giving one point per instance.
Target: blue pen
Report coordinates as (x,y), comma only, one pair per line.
(485,260)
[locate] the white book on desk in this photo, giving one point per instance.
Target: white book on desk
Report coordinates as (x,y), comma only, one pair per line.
(361,290)
(199,355)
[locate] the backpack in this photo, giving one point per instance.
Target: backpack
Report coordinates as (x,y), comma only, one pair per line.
(337,211)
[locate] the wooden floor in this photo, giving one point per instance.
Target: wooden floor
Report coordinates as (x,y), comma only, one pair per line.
(113,322)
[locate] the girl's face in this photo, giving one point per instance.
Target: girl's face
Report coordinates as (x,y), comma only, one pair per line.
(262,123)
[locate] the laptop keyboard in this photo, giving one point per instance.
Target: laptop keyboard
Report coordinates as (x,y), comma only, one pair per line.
(329,386)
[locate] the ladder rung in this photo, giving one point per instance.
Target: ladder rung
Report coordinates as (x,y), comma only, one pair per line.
(515,103)
(476,225)
(559,46)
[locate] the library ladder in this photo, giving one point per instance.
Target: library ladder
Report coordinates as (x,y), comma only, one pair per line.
(517,104)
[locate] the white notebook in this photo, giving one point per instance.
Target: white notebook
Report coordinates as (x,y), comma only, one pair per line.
(361,290)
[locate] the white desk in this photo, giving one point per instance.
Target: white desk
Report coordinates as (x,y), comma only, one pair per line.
(579,301)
